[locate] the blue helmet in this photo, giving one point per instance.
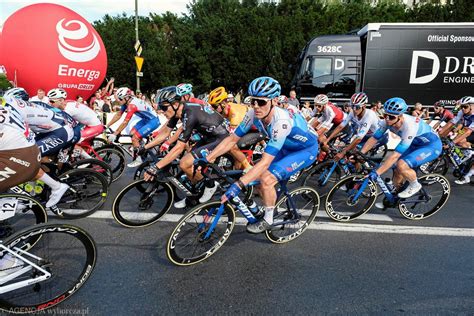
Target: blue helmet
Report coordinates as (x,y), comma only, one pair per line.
(184,88)
(266,87)
(395,106)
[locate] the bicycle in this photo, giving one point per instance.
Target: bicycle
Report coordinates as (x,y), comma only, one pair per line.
(143,203)
(355,195)
(43,266)
(205,228)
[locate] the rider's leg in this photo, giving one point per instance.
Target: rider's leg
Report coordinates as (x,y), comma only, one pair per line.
(241,161)
(268,193)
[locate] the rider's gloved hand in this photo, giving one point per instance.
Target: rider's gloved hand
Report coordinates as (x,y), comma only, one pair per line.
(232,191)
(373,175)
(201,162)
(165,146)
(112,138)
(141,150)
(151,172)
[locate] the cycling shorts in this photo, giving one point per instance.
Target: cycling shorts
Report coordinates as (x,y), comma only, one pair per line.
(18,166)
(145,127)
(470,138)
(51,143)
(415,156)
(203,151)
(89,132)
(287,163)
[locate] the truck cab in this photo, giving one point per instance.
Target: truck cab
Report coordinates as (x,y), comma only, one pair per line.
(330,65)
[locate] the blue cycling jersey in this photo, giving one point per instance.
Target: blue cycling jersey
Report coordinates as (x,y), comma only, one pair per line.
(287,131)
(414,132)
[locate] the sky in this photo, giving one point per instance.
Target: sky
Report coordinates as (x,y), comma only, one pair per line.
(93,10)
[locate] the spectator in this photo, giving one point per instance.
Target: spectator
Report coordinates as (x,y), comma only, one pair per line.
(107,107)
(346,108)
(419,111)
(97,96)
(307,110)
(377,108)
(292,100)
(40,96)
(230,98)
(80,99)
(109,88)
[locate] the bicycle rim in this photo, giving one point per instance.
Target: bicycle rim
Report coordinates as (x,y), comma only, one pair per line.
(65,251)
(340,203)
(114,158)
(429,200)
(187,244)
(306,202)
(142,203)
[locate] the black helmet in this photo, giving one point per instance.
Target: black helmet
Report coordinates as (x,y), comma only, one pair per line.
(166,95)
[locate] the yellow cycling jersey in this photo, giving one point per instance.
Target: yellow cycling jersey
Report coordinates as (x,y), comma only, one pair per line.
(236,113)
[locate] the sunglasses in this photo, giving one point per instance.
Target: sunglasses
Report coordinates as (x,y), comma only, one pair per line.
(465,106)
(319,106)
(390,117)
(53,101)
(260,102)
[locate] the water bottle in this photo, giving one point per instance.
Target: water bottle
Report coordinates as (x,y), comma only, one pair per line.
(389,184)
(254,208)
(456,156)
(39,187)
(459,152)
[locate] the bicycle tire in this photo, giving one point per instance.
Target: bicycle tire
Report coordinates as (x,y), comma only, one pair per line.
(192,224)
(122,213)
(87,184)
(96,165)
(53,250)
(341,194)
(114,157)
(310,195)
(438,166)
(18,222)
(426,181)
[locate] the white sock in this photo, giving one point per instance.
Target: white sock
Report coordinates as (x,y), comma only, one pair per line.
(269,214)
(414,183)
(53,184)
(470,173)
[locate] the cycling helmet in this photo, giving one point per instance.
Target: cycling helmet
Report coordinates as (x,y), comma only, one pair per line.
(466,100)
(184,88)
(359,99)
(438,104)
(282,99)
(247,100)
(218,95)
(17,93)
(57,93)
(395,106)
(123,92)
(266,87)
(166,95)
(321,99)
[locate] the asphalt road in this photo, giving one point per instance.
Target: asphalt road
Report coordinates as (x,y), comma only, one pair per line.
(384,264)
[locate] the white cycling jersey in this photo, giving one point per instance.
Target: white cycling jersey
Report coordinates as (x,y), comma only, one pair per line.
(82,113)
(366,125)
(14,132)
(40,117)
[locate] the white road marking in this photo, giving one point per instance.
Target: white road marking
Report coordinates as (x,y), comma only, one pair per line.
(333,226)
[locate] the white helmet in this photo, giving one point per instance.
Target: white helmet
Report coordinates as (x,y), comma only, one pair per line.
(321,99)
(123,92)
(57,93)
(466,100)
(247,100)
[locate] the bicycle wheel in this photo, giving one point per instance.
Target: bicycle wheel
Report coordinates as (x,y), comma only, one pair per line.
(187,244)
(340,203)
(429,200)
(142,203)
(439,166)
(88,192)
(295,212)
(96,165)
(114,157)
(27,212)
(67,252)
(320,178)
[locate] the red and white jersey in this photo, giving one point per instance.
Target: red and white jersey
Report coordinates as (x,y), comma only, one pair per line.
(82,113)
(331,115)
(140,108)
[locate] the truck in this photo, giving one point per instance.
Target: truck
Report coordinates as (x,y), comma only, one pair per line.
(419,62)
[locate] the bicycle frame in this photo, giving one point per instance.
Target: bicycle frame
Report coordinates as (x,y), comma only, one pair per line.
(14,286)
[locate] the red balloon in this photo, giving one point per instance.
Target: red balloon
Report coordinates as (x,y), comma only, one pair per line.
(50,46)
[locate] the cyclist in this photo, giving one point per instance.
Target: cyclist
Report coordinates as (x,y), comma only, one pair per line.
(195,118)
(51,142)
(465,118)
(293,145)
(443,114)
(364,121)
(185,91)
(283,103)
(419,144)
(92,126)
(148,121)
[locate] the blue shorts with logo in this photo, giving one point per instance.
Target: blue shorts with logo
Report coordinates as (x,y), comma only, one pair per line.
(144,127)
(287,163)
(415,156)
(51,143)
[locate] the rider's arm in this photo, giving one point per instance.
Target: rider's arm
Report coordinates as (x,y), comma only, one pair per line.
(445,129)
(163,133)
(369,144)
(175,136)
(223,147)
(131,109)
(172,155)
(260,167)
(388,163)
(336,131)
(461,137)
